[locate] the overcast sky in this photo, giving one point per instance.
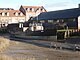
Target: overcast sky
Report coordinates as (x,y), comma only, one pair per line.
(50,5)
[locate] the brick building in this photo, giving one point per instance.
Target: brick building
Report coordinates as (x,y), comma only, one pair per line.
(32,11)
(9,15)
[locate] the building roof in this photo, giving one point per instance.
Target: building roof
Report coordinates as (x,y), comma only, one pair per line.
(35,7)
(32,6)
(6,9)
(61,14)
(11,13)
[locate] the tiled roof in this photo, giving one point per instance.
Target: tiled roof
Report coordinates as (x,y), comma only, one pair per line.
(61,14)
(11,12)
(6,9)
(35,7)
(32,6)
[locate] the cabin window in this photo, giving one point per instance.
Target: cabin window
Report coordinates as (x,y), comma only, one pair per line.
(74,19)
(50,21)
(57,21)
(42,21)
(62,20)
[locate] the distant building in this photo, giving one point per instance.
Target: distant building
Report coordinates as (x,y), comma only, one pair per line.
(10,16)
(6,9)
(32,11)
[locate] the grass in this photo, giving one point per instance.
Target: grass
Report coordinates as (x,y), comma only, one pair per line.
(4,43)
(5,57)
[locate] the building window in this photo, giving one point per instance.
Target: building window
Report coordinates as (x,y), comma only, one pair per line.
(30,9)
(41,9)
(16,13)
(21,14)
(7,13)
(2,13)
(33,9)
(26,8)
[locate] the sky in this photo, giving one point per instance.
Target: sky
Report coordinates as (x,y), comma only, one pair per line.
(49,5)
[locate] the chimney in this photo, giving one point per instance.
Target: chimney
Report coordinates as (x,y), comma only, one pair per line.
(79,5)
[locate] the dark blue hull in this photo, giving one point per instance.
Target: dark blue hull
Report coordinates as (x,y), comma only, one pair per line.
(48,32)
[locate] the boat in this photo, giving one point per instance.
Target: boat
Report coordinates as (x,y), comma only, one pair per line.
(40,29)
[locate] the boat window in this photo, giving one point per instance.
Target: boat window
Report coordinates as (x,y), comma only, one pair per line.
(50,21)
(42,21)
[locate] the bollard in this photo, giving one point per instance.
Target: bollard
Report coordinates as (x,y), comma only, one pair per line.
(55,46)
(74,47)
(51,44)
(60,47)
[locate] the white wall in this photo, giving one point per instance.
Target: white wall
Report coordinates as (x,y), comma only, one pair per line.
(79,22)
